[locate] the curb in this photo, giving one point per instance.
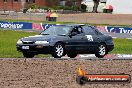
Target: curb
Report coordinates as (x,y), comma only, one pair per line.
(108,56)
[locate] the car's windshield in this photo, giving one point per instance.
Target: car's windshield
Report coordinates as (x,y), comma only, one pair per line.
(56,30)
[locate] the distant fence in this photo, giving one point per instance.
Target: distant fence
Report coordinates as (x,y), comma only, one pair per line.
(114,29)
(40,27)
(15,25)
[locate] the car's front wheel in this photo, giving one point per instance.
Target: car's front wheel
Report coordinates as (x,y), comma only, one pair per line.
(58,51)
(28,55)
(102,51)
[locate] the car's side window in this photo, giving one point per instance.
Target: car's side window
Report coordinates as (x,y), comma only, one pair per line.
(88,30)
(97,32)
(78,30)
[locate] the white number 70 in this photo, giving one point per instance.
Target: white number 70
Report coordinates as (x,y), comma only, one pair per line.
(89,37)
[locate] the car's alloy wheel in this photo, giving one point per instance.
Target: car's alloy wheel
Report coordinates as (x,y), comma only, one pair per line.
(58,50)
(28,55)
(101,51)
(71,55)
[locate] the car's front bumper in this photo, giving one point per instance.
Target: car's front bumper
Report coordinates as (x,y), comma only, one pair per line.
(110,47)
(38,49)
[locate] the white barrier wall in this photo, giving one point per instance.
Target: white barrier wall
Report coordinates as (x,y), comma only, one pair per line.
(121,6)
(90,4)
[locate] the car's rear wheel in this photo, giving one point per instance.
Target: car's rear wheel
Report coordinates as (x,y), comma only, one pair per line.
(102,51)
(71,55)
(28,55)
(58,51)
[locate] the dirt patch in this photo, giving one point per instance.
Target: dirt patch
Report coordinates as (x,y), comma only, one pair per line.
(43,73)
(93,18)
(97,18)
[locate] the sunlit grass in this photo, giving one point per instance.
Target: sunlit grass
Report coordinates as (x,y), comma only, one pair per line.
(8,39)
(122,46)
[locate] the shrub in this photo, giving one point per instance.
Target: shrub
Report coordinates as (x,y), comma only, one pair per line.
(76,8)
(33,6)
(44,7)
(67,8)
(57,7)
(25,10)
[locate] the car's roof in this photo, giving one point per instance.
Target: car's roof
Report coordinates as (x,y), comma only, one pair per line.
(71,25)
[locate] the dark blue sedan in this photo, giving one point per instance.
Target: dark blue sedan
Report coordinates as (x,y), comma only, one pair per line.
(67,39)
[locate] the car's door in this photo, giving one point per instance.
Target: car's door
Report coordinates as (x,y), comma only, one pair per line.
(91,38)
(77,41)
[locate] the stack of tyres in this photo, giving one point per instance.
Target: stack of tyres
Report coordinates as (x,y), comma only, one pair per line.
(108,9)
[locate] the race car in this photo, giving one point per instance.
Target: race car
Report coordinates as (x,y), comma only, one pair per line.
(70,39)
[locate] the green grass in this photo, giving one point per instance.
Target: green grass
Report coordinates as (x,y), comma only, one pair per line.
(8,39)
(122,46)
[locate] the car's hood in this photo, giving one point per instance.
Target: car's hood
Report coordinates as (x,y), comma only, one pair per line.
(38,38)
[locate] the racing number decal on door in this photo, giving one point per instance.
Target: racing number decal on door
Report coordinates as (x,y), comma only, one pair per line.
(89,37)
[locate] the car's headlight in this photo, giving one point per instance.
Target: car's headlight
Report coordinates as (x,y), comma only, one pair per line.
(19,42)
(41,42)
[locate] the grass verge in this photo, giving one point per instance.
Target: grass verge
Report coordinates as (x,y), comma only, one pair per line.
(8,39)
(122,46)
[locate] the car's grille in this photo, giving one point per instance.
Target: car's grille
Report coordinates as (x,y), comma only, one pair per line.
(28,42)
